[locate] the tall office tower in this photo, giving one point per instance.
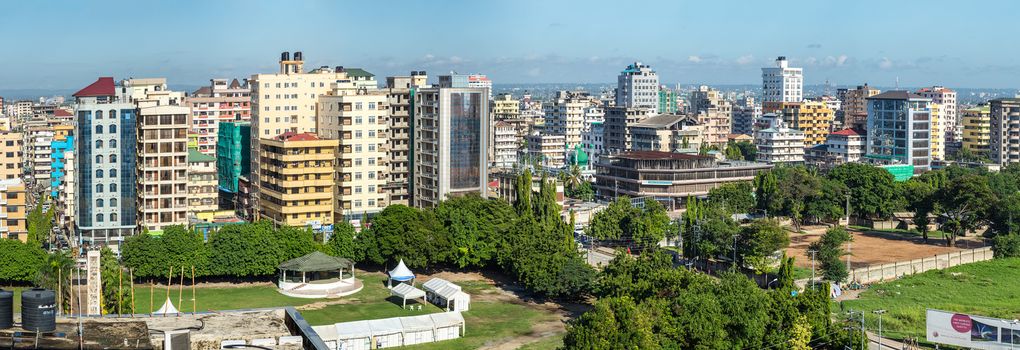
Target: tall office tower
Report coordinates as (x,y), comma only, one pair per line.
(615,137)
(782,83)
(949,122)
(714,112)
(285,101)
(233,160)
(202,193)
(745,113)
(812,117)
(14,225)
(162,165)
(855,106)
(1005,119)
(12,151)
(357,117)
(105,163)
(977,124)
(211,105)
(899,129)
(296,178)
(400,91)
(637,86)
(450,133)
(454,80)
(565,116)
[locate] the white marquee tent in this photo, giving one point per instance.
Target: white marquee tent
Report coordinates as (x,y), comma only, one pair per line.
(393,332)
(406,291)
(446,295)
(401,274)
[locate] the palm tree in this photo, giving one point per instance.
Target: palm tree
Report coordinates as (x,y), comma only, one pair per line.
(573,177)
(55,274)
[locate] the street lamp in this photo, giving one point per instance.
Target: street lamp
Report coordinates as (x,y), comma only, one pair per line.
(812,252)
(879,313)
(1012,328)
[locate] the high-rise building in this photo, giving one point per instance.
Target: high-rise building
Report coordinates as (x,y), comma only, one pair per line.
(450,133)
(813,118)
(714,113)
(782,83)
(357,118)
(202,194)
(668,101)
(14,225)
(1005,130)
(949,123)
(62,183)
(547,150)
(12,150)
(565,116)
(286,101)
(637,86)
(454,80)
(855,106)
(296,179)
(162,166)
(779,144)
(232,159)
(400,92)
(937,137)
(745,113)
(38,158)
(899,129)
(211,105)
(615,137)
(105,154)
(505,145)
(977,124)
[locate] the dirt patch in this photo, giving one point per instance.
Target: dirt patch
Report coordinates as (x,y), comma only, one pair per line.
(875,248)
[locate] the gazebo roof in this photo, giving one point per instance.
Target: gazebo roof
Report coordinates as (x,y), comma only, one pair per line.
(401,272)
(316,261)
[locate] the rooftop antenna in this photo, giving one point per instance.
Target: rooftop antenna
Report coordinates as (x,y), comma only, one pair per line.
(897,83)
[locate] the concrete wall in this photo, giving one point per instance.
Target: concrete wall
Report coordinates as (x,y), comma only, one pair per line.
(890,271)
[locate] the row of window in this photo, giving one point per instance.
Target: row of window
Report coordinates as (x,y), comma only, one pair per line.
(113,203)
(113,159)
(113,217)
(112,187)
(112,114)
(113,143)
(112,129)
(99,173)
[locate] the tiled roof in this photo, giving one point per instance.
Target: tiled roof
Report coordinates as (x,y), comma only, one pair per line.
(104,86)
(847,132)
(205,90)
(62,113)
(358,72)
(293,136)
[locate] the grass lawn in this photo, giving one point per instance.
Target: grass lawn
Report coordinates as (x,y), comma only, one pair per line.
(487,321)
(990,288)
(801,273)
(550,343)
(911,233)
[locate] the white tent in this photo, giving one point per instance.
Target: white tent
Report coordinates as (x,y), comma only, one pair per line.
(418,329)
(388,332)
(449,325)
(406,291)
(401,273)
(446,294)
(460,302)
(168,308)
(355,335)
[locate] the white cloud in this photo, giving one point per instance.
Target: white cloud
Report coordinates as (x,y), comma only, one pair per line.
(456,59)
(428,56)
(841,60)
(694,59)
(746,59)
(886,63)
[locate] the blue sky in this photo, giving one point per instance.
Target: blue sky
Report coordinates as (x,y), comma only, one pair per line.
(66,44)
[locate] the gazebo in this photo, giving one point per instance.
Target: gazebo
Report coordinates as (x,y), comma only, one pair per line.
(317,275)
(400,274)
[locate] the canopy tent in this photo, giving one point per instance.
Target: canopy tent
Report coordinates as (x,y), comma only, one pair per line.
(443,293)
(168,308)
(393,332)
(401,274)
(406,291)
(315,262)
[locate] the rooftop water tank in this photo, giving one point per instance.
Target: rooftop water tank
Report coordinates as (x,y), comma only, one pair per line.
(39,310)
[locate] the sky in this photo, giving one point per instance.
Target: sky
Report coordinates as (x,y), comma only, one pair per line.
(67,44)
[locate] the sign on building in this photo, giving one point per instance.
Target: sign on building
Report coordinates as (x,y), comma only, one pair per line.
(969,331)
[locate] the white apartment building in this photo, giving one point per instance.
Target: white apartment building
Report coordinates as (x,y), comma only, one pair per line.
(949,123)
(713,112)
(547,150)
(219,102)
(637,86)
(566,115)
(782,83)
(505,146)
(357,117)
(846,146)
(779,144)
(591,141)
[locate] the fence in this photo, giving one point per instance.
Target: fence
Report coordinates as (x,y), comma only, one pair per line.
(878,273)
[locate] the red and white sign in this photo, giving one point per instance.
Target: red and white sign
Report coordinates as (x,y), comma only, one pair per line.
(969,331)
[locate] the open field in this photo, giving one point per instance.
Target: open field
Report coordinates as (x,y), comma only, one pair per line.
(878,247)
(990,288)
(498,318)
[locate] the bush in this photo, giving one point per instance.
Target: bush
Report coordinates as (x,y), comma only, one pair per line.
(1006,246)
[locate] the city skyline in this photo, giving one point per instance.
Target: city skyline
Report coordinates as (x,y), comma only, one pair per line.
(525,42)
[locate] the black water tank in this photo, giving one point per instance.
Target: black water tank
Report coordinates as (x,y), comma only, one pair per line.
(6,309)
(285,56)
(38,310)
(297,56)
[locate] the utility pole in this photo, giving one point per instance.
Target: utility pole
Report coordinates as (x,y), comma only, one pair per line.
(864,342)
(848,245)
(812,252)
(848,209)
(735,251)
(879,313)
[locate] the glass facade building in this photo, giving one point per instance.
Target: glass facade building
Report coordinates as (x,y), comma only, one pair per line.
(899,129)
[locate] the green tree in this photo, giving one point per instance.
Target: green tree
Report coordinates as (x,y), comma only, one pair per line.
(55,274)
(920,198)
(830,253)
(1006,246)
(748,150)
(766,189)
(733,152)
(737,197)
(759,242)
(583,191)
(341,243)
(614,323)
(474,225)
(403,233)
(146,255)
(184,248)
(19,262)
(963,204)
(829,203)
(872,193)
(116,294)
(785,279)
(40,224)
(244,250)
(798,186)
(644,226)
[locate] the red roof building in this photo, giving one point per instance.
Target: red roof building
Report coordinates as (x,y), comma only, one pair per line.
(104,86)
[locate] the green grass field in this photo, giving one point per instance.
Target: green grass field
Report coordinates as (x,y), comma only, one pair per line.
(488,322)
(990,288)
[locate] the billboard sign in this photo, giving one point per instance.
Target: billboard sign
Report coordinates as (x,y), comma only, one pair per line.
(969,331)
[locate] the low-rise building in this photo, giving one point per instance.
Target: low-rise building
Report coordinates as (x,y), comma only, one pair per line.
(668,177)
(547,150)
(844,146)
(666,133)
(296,179)
(12,195)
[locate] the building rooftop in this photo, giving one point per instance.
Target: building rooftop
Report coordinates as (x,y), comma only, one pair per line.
(662,121)
(896,95)
(358,72)
(59,112)
(847,132)
(293,136)
(653,155)
(194,156)
(104,86)
(202,91)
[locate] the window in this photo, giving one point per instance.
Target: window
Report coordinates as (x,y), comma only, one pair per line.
(357,189)
(113,187)
(371,119)
(99,129)
(113,158)
(99,203)
(357,120)
(99,188)
(99,173)
(113,217)
(99,144)
(113,202)
(99,114)
(358,106)
(99,159)
(113,143)
(371,175)
(99,217)
(113,114)
(113,172)
(113,129)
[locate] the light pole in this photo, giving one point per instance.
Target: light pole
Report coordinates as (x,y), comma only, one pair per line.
(864,335)
(879,312)
(1012,330)
(812,252)
(735,250)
